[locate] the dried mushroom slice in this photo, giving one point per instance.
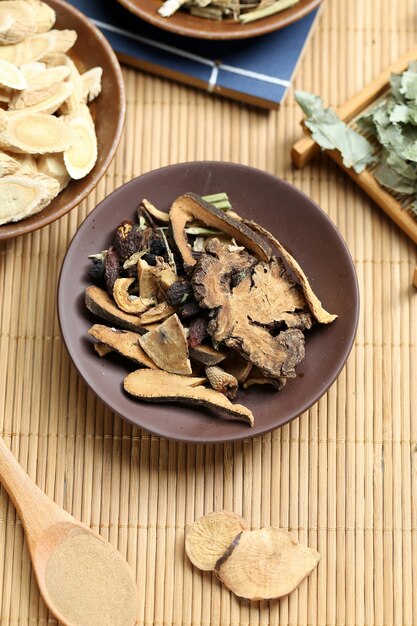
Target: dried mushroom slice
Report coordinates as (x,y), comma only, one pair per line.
(124,342)
(22,195)
(266,564)
(159,386)
(99,302)
(190,207)
(127,302)
(321,315)
(210,536)
(35,133)
(167,346)
(222,381)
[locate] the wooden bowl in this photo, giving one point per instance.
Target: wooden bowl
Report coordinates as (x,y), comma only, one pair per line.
(108,110)
(182,23)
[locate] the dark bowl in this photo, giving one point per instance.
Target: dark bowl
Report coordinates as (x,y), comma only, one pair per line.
(182,23)
(108,110)
(298,223)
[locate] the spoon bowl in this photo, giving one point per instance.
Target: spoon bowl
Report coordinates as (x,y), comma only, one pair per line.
(83,579)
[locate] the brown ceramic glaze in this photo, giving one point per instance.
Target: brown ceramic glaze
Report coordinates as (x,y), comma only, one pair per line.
(300,225)
(182,23)
(108,110)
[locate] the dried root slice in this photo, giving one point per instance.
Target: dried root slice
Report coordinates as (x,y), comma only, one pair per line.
(190,207)
(256,377)
(157,313)
(209,537)
(27,164)
(32,69)
(239,367)
(159,216)
(28,50)
(127,302)
(167,347)
(81,157)
(11,76)
(22,195)
(124,342)
(99,302)
(222,381)
(265,564)
(46,101)
(8,165)
(44,15)
(76,101)
(207,355)
(22,21)
(41,86)
(35,133)
(91,82)
(159,386)
(53,165)
(102,349)
(321,315)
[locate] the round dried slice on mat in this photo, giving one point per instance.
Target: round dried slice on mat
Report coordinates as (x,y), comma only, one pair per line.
(210,536)
(265,564)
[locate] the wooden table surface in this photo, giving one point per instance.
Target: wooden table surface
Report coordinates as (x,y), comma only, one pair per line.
(343,476)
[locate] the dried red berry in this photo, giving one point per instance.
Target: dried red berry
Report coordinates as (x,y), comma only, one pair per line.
(198,331)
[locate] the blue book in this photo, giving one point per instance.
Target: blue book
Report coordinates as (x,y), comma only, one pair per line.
(257,71)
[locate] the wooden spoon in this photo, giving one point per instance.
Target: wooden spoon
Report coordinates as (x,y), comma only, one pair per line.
(83,579)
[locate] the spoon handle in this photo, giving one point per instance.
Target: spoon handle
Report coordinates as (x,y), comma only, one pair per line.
(35,509)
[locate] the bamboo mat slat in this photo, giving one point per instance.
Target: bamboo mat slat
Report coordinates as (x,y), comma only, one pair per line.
(342,477)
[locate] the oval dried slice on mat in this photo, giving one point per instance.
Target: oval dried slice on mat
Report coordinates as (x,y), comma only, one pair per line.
(266,564)
(209,537)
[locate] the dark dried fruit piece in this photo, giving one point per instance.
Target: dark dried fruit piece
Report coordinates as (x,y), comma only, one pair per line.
(127,240)
(190,308)
(198,331)
(179,292)
(111,269)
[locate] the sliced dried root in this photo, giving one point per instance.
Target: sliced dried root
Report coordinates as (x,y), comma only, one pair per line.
(81,157)
(32,69)
(265,564)
(127,302)
(321,315)
(44,15)
(91,83)
(45,101)
(39,86)
(11,76)
(167,347)
(207,355)
(35,133)
(190,207)
(160,216)
(53,165)
(159,312)
(99,302)
(124,342)
(20,17)
(160,386)
(36,47)
(209,537)
(27,164)
(22,195)
(8,165)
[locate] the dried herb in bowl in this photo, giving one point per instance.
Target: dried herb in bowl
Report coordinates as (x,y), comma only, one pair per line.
(243,11)
(201,302)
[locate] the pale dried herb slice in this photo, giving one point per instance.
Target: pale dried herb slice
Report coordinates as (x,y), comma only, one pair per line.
(209,537)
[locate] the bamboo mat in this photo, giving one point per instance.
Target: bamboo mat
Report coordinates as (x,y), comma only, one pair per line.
(343,476)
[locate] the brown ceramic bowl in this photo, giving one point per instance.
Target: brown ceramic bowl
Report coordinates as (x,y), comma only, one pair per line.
(108,110)
(182,23)
(299,224)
